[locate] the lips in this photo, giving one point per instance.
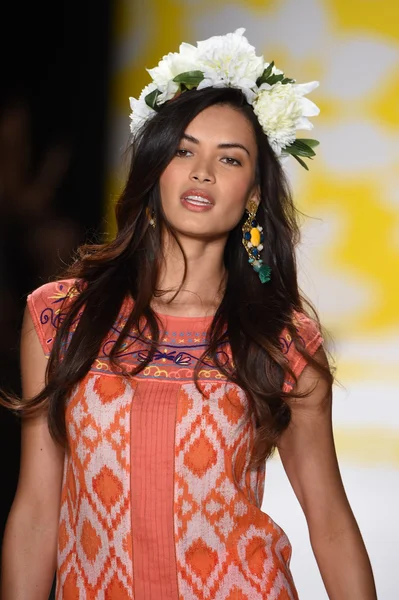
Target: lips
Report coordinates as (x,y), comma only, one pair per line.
(196,195)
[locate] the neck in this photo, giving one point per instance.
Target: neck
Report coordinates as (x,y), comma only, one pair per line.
(203,288)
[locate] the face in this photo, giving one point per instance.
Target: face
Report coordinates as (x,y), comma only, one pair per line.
(206,186)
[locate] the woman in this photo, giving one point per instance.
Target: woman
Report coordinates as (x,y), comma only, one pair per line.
(181,355)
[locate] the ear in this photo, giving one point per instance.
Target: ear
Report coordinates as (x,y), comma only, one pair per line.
(254,197)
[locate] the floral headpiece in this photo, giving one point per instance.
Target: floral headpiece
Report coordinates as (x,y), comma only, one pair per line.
(230,61)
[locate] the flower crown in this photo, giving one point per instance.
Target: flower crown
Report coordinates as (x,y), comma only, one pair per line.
(230,61)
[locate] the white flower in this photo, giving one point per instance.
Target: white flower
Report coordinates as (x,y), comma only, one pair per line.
(282,110)
(171,65)
(140,110)
(230,61)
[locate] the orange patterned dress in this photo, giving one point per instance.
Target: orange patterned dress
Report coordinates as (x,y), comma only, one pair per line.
(158,501)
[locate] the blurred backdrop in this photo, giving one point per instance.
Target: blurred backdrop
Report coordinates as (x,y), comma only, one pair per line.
(63,130)
(53,108)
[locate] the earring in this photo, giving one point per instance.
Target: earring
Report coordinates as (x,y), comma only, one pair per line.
(252,239)
(151,217)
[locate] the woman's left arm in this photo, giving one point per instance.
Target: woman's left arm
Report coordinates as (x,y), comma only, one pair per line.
(309,458)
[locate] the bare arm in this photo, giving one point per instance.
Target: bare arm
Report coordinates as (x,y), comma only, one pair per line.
(30,538)
(308,454)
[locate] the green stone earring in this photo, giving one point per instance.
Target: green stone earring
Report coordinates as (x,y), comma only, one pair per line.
(252,238)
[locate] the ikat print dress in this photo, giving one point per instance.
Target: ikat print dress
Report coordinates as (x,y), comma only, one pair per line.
(158,500)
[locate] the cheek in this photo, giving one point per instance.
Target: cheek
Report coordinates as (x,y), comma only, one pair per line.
(237,191)
(170,178)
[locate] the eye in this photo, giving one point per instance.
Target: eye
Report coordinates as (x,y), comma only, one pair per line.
(232,161)
(182,152)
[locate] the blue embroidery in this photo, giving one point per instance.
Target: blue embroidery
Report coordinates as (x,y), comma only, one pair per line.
(178,350)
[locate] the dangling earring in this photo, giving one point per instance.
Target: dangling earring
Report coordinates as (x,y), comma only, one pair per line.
(151,216)
(252,239)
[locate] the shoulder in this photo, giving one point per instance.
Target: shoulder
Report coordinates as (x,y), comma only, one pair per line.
(54,292)
(308,335)
(51,298)
(305,343)
(48,304)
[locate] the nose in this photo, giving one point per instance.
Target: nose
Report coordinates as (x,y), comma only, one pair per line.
(203,173)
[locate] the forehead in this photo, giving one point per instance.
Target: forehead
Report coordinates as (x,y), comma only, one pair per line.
(222,123)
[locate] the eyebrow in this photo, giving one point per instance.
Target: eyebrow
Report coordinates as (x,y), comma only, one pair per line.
(194,140)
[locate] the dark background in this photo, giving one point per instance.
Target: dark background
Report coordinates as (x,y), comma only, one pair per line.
(53,120)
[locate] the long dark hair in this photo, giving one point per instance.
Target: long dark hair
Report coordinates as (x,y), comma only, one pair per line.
(250,317)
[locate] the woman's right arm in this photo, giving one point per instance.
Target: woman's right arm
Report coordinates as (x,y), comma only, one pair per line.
(30,540)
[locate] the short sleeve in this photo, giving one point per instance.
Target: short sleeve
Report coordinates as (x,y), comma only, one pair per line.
(47,305)
(311,338)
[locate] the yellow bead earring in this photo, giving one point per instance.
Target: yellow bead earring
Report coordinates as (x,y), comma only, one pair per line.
(252,238)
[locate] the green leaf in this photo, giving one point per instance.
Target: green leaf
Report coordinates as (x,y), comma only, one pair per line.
(266,73)
(294,150)
(151,99)
(301,162)
(309,142)
(274,79)
(300,148)
(287,80)
(190,78)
